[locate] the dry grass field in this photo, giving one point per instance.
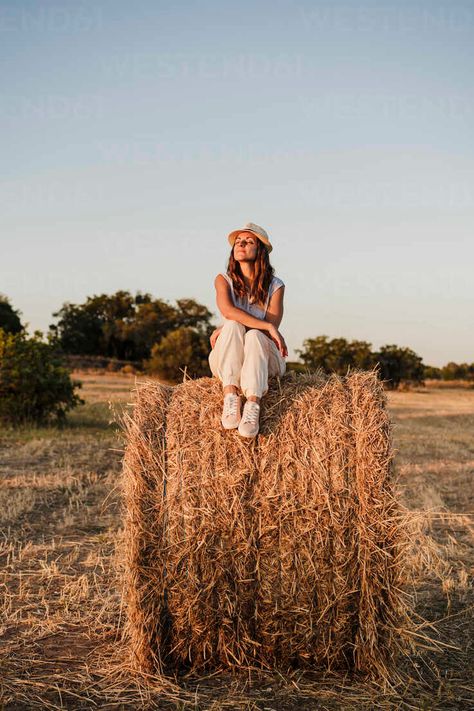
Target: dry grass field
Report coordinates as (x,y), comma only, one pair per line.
(60,629)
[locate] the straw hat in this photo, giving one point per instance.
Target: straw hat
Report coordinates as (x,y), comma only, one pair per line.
(254,229)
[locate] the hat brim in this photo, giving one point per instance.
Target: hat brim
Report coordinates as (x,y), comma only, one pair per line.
(232,237)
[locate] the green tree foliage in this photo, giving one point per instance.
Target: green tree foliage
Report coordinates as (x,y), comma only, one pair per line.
(9,317)
(152,320)
(457,371)
(431,372)
(78,330)
(34,384)
(399,365)
(336,355)
(97,327)
(183,348)
(124,326)
(191,314)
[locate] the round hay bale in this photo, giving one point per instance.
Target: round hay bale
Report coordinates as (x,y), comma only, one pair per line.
(282,552)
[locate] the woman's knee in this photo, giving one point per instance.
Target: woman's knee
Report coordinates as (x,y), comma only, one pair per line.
(231,325)
(254,335)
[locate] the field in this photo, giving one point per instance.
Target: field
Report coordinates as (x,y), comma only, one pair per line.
(60,630)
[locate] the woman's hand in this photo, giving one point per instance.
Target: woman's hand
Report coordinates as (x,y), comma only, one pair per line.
(278,339)
(214,336)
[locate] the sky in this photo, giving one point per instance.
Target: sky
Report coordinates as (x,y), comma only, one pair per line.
(135,136)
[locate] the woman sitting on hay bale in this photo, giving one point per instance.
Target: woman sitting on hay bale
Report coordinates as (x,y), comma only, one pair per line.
(248,348)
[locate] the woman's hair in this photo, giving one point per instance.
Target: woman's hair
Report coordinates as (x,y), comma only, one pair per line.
(263,275)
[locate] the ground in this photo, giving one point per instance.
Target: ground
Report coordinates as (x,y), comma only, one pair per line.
(60,594)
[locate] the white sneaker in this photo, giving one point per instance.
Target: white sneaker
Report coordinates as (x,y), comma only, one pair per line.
(249,423)
(231,411)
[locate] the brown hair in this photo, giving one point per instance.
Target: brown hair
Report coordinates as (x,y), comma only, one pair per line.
(263,274)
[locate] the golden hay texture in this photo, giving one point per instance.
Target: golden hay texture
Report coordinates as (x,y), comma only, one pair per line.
(286,551)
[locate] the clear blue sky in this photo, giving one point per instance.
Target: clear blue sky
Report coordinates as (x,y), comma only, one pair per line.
(135,136)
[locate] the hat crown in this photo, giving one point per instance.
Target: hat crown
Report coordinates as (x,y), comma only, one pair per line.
(255,228)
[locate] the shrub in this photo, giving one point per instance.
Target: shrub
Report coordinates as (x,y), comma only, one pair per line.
(128,370)
(181,348)
(34,384)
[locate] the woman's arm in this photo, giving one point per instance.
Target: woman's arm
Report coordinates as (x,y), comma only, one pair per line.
(228,310)
(275,307)
(274,313)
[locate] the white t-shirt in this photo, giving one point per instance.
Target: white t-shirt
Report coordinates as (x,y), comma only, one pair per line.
(250,308)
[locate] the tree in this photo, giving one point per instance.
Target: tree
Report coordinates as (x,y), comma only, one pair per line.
(456,371)
(182,348)
(395,364)
(153,320)
(9,317)
(114,312)
(35,386)
(336,355)
(79,329)
(399,364)
(431,372)
(124,326)
(95,327)
(197,316)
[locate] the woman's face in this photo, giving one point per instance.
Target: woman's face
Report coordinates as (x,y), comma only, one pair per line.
(245,247)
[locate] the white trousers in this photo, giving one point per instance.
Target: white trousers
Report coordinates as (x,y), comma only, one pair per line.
(245,358)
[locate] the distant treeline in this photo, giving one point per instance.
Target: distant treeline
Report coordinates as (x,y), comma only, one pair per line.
(165,339)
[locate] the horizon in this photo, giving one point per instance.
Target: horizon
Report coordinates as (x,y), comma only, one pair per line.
(294,356)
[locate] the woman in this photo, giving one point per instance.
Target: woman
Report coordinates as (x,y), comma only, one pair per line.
(248,348)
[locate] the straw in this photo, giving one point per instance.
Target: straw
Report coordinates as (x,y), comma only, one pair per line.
(288,551)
